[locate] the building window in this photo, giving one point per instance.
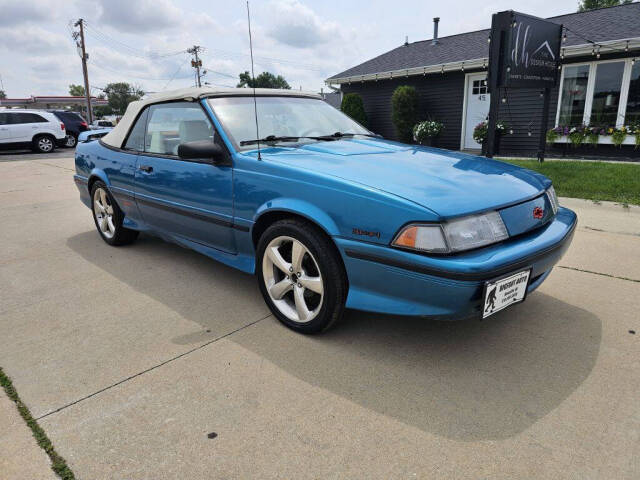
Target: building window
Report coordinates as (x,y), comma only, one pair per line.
(479,87)
(633,100)
(605,93)
(574,95)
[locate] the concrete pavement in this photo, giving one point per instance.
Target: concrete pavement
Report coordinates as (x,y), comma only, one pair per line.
(20,455)
(132,356)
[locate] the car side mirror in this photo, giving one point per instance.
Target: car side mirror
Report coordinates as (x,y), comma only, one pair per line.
(202,150)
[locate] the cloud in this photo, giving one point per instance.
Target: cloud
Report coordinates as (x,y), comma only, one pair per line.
(32,39)
(144,16)
(18,12)
(298,26)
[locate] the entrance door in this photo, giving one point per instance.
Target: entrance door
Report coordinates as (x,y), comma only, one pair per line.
(477,107)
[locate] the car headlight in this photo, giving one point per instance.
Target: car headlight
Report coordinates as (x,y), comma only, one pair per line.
(455,235)
(553,199)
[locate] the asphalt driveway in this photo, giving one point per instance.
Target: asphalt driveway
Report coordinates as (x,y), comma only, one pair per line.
(133,357)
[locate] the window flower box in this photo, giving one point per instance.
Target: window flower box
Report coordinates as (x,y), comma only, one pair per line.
(602,140)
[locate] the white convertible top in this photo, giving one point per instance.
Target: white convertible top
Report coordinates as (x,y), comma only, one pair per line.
(118,134)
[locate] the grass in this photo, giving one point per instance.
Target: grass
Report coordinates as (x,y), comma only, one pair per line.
(615,182)
(58,464)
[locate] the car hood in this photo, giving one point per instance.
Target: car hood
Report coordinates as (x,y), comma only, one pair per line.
(449,183)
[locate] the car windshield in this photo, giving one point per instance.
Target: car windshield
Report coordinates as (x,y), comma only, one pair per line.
(282,120)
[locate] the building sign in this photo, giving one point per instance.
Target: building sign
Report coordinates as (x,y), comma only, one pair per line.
(530,48)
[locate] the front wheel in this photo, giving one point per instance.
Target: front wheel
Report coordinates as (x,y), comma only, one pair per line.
(301,276)
(108,217)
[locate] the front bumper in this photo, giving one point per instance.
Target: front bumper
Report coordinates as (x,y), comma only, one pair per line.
(388,280)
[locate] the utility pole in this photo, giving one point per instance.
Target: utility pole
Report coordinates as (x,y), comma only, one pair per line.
(85,73)
(196,62)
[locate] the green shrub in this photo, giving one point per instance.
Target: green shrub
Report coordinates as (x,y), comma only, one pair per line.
(353,106)
(404,111)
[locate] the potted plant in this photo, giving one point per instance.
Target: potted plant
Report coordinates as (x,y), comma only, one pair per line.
(480,135)
(618,135)
(425,133)
(577,135)
(634,129)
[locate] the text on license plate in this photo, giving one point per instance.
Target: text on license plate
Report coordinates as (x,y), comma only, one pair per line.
(499,294)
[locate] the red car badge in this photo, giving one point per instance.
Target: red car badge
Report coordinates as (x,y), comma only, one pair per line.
(538,212)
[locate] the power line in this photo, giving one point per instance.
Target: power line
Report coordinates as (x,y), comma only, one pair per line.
(119,71)
(117,44)
(234,55)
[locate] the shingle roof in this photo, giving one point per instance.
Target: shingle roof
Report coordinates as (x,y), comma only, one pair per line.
(605,24)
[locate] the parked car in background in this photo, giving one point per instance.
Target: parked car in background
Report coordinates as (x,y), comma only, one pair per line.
(93,134)
(74,124)
(100,124)
(327,214)
(39,130)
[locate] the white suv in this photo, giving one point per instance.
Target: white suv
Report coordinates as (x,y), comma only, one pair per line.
(42,131)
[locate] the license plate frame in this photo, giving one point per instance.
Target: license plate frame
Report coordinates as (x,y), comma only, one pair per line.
(499,281)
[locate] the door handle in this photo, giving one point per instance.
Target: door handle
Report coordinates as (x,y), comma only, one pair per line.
(146,168)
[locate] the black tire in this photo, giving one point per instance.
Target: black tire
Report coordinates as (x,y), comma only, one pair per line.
(331,269)
(71,141)
(122,235)
(43,143)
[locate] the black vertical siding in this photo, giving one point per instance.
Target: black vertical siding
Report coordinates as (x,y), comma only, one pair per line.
(441,98)
(522,112)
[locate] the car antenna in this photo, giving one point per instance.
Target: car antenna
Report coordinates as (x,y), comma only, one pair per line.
(253,79)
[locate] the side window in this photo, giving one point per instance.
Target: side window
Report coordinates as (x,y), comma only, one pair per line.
(4,119)
(28,118)
(35,118)
(171,124)
(135,141)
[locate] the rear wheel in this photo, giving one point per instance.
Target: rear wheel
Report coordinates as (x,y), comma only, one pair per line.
(70,141)
(301,276)
(44,144)
(108,217)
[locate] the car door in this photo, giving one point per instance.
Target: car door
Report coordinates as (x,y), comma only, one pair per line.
(120,168)
(188,199)
(21,127)
(5,128)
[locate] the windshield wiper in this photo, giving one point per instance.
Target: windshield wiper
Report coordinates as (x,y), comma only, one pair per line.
(337,135)
(269,139)
(275,138)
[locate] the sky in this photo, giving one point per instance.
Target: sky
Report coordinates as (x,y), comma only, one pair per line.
(143,41)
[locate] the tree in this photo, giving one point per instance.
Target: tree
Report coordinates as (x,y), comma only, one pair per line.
(121,94)
(102,110)
(76,90)
(264,80)
(353,106)
(585,5)
(404,111)
(2,95)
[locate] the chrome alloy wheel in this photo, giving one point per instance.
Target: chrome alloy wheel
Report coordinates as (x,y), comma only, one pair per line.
(45,144)
(70,142)
(103,210)
(293,279)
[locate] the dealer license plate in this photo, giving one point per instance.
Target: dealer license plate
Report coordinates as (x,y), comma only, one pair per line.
(499,294)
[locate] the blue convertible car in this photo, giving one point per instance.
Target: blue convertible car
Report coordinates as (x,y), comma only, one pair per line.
(327,214)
